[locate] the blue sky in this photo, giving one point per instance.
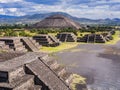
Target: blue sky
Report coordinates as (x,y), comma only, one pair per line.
(94,9)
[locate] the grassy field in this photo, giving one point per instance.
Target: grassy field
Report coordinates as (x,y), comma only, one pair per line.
(63,46)
(69,45)
(77,79)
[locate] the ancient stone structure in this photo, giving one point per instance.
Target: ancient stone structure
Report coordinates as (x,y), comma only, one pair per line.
(31,44)
(22,44)
(92,38)
(112,32)
(4,47)
(32,71)
(67,37)
(46,40)
(57,21)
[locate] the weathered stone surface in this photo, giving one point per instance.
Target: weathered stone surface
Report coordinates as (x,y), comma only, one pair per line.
(92,38)
(17,78)
(57,21)
(22,44)
(4,47)
(66,37)
(45,74)
(46,40)
(9,55)
(14,43)
(30,44)
(22,83)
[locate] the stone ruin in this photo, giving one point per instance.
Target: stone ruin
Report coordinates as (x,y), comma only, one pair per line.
(22,44)
(97,38)
(92,38)
(46,40)
(67,37)
(4,47)
(32,71)
(57,21)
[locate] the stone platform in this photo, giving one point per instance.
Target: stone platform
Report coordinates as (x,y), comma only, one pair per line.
(22,44)
(32,71)
(67,37)
(46,40)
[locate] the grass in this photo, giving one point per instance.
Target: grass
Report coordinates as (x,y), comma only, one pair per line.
(31,34)
(77,79)
(116,38)
(63,46)
(53,34)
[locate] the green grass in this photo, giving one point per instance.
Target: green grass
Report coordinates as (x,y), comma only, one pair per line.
(63,46)
(116,38)
(53,34)
(77,79)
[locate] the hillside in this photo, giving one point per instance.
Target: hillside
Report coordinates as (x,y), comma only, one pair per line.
(4,19)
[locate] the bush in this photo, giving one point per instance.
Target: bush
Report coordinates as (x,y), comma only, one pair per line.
(23,33)
(10,33)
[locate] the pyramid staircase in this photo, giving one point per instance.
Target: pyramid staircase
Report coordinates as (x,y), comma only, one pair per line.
(33,71)
(31,44)
(66,37)
(46,40)
(58,69)
(14,43)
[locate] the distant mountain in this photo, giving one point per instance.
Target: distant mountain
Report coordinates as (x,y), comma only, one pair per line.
(29,19)
(7,17)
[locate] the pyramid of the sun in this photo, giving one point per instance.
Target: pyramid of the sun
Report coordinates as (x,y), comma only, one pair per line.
(57,21)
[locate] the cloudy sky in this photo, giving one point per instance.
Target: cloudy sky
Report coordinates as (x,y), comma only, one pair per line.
(93,9)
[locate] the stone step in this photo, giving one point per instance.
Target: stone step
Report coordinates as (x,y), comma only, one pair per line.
(10,75)
(36,43)
(46,58)
(46,40)
(53,64)
(18,46)
(50,61)
(23,83)
(46,75)
(19,43)
(60,71)
(30,45)
(67,77)
(21,49)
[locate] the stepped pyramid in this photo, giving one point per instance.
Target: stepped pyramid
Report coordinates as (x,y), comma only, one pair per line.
(92,38)
(57,21)
(22,44)
(46,40)
(32,71)
(67,37)
(14,43)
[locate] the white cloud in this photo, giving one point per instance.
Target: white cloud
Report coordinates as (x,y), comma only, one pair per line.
(9,1)
(98,9)
(12,9)
(2,11)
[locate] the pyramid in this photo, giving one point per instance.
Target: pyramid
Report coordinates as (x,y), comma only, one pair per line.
(57,21)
